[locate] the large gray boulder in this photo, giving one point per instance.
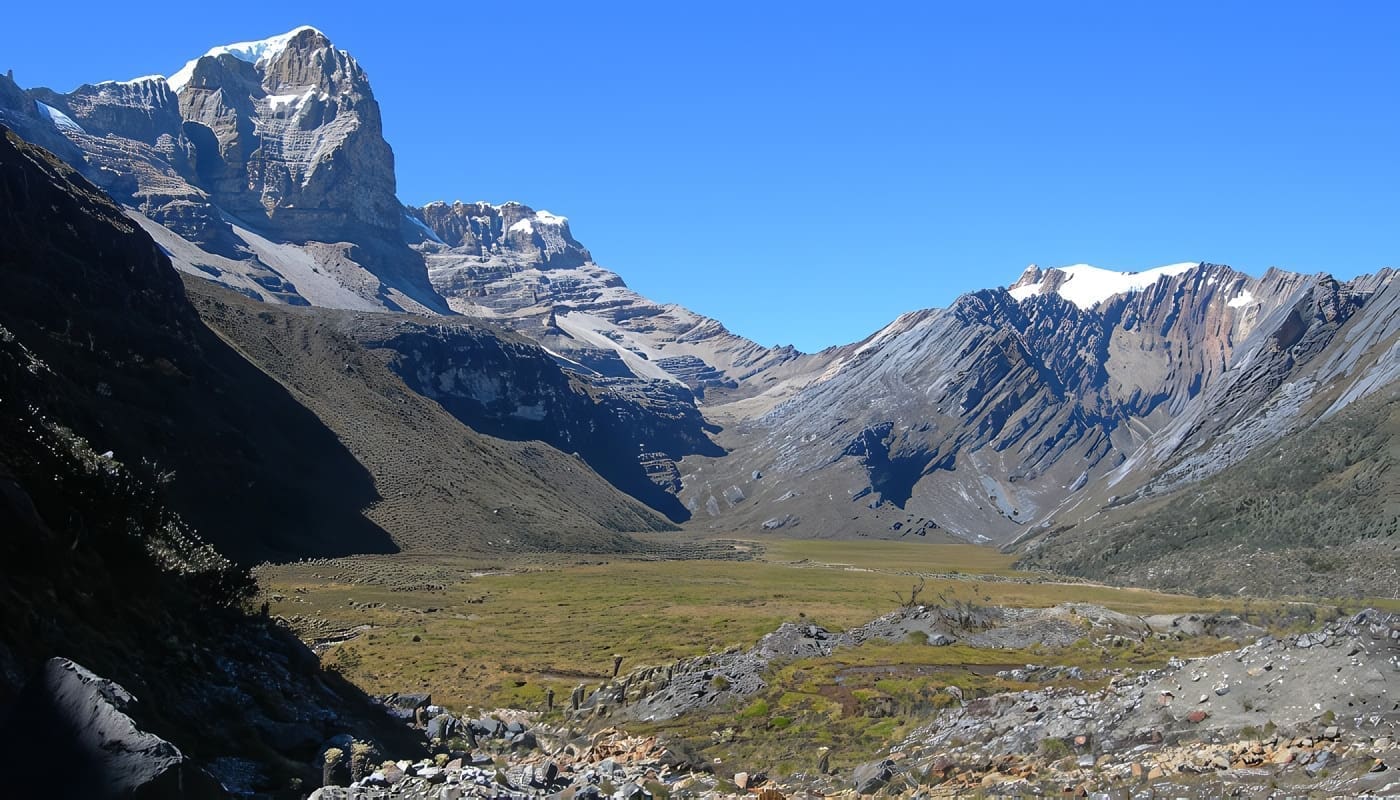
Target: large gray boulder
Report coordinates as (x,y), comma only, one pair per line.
(70,731)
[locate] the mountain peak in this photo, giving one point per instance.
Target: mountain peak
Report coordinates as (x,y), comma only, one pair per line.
(253,52)
(1032,275)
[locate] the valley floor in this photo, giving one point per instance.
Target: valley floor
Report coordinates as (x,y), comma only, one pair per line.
(484,631)
(823,685)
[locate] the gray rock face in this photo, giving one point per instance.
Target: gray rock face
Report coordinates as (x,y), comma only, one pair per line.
(69,729)
(144,110)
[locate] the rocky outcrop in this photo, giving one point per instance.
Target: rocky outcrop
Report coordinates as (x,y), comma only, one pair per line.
(1310,711)
(506,232)
(578,767)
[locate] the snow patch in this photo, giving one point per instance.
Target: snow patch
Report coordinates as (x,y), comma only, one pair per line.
(591,330)
(252,52)
(1241,300)
(279,100)
(528,224)
(426,230)
(1086,286)
(1023,292)
(132,81)
(59,119)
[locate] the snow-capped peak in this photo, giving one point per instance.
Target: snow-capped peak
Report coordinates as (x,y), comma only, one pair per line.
(252,52)
(1086,286)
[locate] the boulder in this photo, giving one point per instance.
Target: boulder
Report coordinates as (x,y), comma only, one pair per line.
(443,726)
(70,732)
(404,706)
(1323,760)
(487,727)
(870,777)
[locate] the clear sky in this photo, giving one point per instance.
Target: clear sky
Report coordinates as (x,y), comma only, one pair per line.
(805,172)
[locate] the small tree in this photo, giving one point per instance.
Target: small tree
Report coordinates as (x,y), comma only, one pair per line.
(913,594)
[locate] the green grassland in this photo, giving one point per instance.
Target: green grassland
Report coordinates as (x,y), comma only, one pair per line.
(437,623)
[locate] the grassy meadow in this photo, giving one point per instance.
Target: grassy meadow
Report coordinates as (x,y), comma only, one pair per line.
(482,633)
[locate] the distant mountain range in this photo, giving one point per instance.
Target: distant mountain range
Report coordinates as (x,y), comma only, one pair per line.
(451,342)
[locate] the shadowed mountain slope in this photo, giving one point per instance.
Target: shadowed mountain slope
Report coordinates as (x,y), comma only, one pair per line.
(137,373)
(281,436)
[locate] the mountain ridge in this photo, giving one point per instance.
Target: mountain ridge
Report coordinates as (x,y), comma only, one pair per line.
(1011,409)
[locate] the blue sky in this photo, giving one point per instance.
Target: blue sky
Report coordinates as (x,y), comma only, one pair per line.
(806,172)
